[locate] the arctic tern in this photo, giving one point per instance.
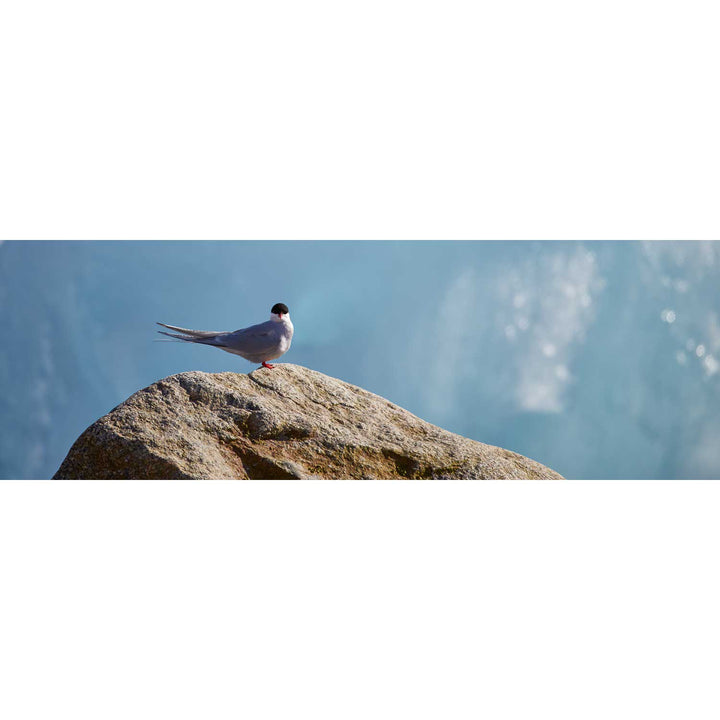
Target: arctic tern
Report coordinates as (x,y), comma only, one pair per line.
(257,343)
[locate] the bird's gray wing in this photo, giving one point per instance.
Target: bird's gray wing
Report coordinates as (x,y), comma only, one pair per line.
(192,333)
(212,340)
(252,340)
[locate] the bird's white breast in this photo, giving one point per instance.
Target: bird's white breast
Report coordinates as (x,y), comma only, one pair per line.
(286,335)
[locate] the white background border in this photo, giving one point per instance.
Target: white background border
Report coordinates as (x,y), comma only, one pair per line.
(382,119)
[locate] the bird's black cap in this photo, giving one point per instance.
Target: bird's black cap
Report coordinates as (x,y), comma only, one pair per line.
(278,308)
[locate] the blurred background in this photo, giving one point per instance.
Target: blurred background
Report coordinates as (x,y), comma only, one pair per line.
(598,359)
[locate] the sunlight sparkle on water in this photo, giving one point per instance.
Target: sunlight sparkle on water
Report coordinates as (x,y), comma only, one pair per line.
(711,365)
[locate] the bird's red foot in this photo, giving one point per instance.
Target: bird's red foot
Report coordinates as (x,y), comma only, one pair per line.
(268,365)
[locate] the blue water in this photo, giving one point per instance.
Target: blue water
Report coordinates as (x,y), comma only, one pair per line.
(598,359)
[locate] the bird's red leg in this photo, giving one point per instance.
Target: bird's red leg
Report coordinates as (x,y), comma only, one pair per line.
(268,365)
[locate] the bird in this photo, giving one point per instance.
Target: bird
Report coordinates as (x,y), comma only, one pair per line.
(257,343)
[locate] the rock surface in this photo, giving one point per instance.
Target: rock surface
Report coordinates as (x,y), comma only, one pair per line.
(285,423)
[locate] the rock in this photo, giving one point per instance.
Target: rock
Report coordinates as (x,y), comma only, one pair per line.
(285,423)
